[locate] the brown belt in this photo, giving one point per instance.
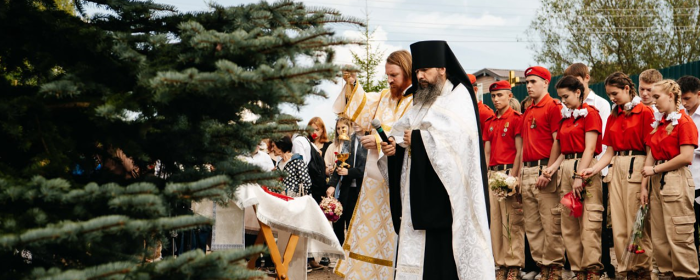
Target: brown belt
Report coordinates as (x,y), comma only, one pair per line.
(536,163)
(500,167)
(630,153)
(573,156)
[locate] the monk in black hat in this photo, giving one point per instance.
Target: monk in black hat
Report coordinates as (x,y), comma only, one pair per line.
(436,172)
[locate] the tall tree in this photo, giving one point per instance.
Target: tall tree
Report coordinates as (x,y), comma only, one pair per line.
(91,105)
(628,36)
(369,60)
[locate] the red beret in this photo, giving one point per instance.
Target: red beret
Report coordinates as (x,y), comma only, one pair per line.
(472,78)
(500,85)
(539,71)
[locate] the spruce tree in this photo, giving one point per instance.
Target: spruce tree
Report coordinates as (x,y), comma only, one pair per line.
(81,97)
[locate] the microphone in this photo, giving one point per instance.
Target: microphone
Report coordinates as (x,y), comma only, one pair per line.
(378,126)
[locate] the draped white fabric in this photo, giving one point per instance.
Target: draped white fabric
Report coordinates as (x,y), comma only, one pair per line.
(449,131)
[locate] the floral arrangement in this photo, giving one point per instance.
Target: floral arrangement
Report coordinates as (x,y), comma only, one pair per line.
(332,208)
(634,246)
(502,185)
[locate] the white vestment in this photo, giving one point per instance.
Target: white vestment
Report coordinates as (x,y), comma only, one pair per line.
(449,131)
(370,242)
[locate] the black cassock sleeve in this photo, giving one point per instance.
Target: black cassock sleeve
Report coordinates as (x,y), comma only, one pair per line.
(430,204)
(395,164)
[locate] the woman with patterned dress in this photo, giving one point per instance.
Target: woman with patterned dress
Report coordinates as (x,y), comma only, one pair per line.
(297,182)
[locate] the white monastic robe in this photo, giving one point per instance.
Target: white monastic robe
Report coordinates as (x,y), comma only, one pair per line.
(448,129)
(370,242)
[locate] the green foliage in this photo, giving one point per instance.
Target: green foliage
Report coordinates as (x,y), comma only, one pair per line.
(609,36)
(85,99)
(368,61)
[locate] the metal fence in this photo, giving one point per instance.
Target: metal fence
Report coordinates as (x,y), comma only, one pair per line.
(673,72)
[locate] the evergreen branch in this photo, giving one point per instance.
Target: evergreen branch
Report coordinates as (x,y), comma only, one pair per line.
(41,135)
(292,76)
(70,105)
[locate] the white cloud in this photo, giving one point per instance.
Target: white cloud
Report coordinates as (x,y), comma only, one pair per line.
(459,21)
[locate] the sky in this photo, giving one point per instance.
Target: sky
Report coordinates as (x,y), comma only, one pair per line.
(482,34)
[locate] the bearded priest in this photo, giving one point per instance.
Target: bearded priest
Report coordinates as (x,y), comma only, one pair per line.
(436,145)
(370,243)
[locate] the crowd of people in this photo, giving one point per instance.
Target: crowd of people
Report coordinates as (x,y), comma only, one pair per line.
(612,161)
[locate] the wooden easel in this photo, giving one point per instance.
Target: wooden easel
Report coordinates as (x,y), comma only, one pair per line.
(281,264)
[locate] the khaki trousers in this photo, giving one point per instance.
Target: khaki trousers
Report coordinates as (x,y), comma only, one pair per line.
(582,235)
(542,218)
(624,187)
(672,219)
(507,233)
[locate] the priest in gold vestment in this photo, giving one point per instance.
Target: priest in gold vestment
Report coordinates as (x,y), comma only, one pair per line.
(371,239)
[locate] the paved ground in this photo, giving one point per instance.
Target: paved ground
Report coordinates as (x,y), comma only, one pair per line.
(323,274)
(328,273)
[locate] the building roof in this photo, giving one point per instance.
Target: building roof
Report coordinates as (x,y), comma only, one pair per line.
(498,73)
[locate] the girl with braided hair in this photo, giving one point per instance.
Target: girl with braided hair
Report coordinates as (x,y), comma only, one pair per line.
(669,152)
(627,129)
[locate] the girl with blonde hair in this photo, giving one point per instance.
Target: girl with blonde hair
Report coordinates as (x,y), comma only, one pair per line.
(669,152)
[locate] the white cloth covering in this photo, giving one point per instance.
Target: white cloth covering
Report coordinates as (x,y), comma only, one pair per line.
(301,216)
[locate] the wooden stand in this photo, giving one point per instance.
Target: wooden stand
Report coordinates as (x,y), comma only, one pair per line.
(281,264)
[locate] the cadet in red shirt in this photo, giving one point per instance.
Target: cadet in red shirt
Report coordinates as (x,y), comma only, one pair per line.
(625,135)
(540,191)
(670,151)
(580,140)
(503,147)
(484,111)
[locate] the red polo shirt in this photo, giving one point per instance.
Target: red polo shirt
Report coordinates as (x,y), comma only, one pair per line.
(484,113)
(539,122)
(501,132)
(572,133)
(624,133)
(666,146)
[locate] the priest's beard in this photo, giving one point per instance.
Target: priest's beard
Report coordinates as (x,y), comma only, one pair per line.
(425,96)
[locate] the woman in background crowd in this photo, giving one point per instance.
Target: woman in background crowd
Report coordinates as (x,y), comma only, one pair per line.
(669,152)
(319,136)
(526,102)
(297,183)
(342,126)
(514,104)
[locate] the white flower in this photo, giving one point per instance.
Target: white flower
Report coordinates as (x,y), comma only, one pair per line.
(658,116)
(673,117)
(565,112)
(629,105)
(580,113)
(511,182)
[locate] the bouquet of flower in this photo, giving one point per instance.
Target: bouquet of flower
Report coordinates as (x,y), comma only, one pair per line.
(331,208)
(502,185)
(634,246)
